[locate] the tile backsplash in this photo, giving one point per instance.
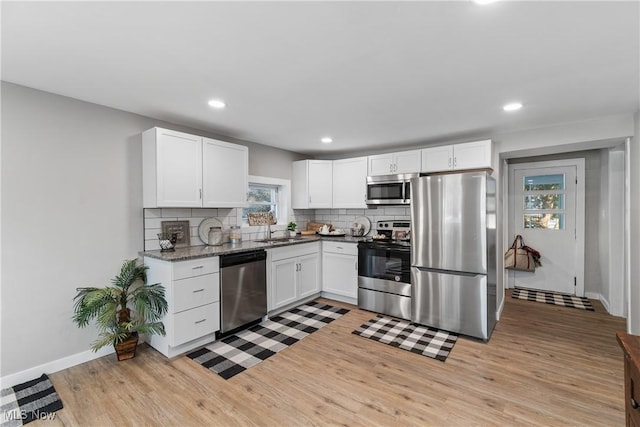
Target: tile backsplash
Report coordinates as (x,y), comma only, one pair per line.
(153,218)
(339,218)
(344,218)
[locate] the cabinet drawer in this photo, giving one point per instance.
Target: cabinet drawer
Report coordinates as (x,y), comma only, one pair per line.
(195,323)
(195,267)
(340,248)
(293,251)
(195,291)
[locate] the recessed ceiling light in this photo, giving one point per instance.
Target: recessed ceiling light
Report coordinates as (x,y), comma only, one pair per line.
(217,103)
(326,140)
(513,106)
(483,2)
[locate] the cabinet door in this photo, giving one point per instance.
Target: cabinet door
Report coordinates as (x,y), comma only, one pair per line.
(225,174)
(308,275)
(350,183)
(179,169)
(340,274)
(472,155)
(283,281)
(407,162)
(380,164)
(299,188)
(320,188)
(436,159)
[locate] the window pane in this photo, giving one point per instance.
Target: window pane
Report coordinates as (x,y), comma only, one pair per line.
(544,182)
(544,201)
(260,194)
(547,221)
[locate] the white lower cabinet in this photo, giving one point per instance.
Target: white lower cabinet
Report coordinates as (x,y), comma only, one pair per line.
(193,296)
(294,274)
(340,270)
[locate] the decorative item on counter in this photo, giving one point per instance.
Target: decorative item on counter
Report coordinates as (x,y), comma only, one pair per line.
(215,236)
(205,226)
(181,229)
(292,228)
(357,230)
(261,218)
(167,241)
(235,236)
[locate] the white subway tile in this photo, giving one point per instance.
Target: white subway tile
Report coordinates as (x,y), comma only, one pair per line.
(355,212)
(151,233)
(195,222)
(151,245)
(176,212)
(204,212)
(153,222)
(394,211)
(153,213)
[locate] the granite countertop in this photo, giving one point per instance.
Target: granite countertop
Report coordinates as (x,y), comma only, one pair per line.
(192,252)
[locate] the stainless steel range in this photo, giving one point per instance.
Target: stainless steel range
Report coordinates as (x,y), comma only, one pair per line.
(384,270)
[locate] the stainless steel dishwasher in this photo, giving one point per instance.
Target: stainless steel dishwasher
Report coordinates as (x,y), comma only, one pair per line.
(243,289)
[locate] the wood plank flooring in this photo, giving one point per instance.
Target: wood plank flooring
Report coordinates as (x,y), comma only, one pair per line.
(544,365)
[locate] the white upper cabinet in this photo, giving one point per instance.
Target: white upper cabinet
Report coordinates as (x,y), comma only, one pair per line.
(469,155)
(171,169)
(225,172)
(350,183)
(183,170)
(395,163)
(312,184)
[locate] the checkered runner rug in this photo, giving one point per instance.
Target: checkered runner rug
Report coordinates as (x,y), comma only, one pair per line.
(30,401)
(236,353)
(409,336)
(553,298)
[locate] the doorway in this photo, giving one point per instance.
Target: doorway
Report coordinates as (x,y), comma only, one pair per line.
(547,208)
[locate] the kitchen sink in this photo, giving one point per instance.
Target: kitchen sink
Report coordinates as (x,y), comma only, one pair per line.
(278,240)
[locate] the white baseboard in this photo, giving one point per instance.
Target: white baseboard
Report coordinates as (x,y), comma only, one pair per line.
(599,297)
(341,298)
(53,366)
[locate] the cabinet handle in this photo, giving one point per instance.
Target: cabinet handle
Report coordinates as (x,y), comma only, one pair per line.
(356,263)
(449,161)
(455,162)
(634,403)
(199,321)
(201,194)
(197,267)
(198,290)
(339,247)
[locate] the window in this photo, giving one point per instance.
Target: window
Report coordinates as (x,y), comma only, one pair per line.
(261,198)
(267,194)
(544,201)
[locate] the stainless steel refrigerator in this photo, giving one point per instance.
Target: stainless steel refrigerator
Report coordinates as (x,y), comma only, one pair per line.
(453,252)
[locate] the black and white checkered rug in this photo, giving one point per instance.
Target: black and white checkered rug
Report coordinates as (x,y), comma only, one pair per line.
(236,353)
(409,336)
(30,401)
(553,298)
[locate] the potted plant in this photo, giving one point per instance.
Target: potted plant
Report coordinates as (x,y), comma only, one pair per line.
(292,228)
(123,310)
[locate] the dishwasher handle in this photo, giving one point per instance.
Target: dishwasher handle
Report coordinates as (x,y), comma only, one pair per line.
(242,258)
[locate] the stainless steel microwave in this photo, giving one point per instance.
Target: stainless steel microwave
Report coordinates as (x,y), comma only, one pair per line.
(389,189)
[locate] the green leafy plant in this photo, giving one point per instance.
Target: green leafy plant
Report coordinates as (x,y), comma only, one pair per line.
(291,226)
(124,309)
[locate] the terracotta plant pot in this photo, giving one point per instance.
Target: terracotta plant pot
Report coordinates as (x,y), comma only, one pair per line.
(127,348)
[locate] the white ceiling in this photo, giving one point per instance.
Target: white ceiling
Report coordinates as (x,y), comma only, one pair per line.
(371,74)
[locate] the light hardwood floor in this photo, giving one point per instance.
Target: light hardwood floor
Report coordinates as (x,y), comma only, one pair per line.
(544,365)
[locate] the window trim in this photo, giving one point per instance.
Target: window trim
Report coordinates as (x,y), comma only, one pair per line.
(284,197)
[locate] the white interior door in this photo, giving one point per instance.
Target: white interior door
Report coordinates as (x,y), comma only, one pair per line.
(548,209)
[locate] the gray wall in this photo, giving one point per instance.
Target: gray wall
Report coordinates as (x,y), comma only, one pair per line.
(71,213)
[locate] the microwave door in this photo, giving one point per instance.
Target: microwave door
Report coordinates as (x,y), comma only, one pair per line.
(385,193)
